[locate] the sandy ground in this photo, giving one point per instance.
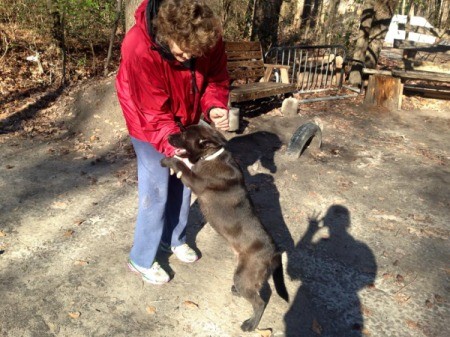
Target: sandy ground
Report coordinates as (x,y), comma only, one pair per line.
(376,263)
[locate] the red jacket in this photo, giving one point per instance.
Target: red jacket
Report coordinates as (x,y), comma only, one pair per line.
(156,93)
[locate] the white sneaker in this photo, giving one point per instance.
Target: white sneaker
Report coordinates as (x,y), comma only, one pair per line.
(183,252)
(155,274)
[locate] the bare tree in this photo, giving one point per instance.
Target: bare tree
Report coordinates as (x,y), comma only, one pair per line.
(362,42)
(58,34)
(267,16)
(300,4)
(130,8)
(384,11)
(113,34)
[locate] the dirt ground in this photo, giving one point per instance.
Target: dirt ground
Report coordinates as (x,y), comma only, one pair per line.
(375,263)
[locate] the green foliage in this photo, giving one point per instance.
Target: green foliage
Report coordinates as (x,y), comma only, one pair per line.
(81,27)
(84,21)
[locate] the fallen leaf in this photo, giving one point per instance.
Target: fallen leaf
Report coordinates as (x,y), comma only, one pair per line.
(9,167)
(79,222)
(2,234)
(190,304)
(428,304)
(366,311)
(412,325)
(316,327)
(400,278)
(74,314)
(151,310)
(365,332)
(438,298)
(93,180)
(81,263)
(386,276)
(401,298)
(59,205)
(264,332)
(68,233)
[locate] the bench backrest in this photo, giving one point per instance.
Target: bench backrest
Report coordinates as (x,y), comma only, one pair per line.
(244,60)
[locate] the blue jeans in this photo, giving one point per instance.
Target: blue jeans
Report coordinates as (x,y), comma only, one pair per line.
(163,209)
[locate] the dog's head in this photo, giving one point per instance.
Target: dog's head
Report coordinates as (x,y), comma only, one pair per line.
(198,141)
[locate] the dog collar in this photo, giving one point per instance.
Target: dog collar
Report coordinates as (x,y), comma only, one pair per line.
(214,155)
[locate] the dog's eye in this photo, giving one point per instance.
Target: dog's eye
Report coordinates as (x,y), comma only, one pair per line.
(202,142)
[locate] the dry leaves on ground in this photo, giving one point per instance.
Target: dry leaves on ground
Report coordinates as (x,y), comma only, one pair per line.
(190,305)
(150,310)
(264,332)
(74,314)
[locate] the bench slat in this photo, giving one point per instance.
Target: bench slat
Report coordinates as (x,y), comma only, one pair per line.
(257,90)
(245,62)
(247,45)
(421,75)
(244,55)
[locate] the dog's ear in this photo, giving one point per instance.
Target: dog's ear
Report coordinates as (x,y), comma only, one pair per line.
(207,143)
(214,140)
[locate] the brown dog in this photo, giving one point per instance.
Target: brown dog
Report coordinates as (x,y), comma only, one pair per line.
(218,182)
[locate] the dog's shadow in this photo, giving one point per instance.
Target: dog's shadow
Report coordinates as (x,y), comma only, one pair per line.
(255,155)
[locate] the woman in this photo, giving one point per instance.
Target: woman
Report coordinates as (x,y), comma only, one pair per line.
(172,70)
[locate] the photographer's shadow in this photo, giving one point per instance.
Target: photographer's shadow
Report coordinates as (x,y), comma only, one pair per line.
(332,271)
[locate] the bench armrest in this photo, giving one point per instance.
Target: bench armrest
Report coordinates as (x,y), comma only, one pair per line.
(283,72)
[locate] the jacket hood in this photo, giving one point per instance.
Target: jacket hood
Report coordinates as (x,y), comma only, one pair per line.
(144,16)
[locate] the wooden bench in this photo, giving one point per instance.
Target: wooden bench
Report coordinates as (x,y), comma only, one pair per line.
(250,77)
(385,87)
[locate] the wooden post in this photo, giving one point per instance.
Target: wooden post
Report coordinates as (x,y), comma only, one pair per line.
(384,91)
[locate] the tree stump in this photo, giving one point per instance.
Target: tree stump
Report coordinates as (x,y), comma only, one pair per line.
(385,91)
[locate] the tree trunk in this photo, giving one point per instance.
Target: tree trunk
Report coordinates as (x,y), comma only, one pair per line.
(380,25)
(329,27)
(58,34)
(298,14)
(249,20)
(362,41)
(444,17)
(130,8)
(266,22)
(112,36)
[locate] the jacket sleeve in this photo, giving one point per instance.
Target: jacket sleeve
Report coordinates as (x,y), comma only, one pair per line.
(148,92)
(217,81)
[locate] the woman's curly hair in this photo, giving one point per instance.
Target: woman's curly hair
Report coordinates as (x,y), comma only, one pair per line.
(191,24)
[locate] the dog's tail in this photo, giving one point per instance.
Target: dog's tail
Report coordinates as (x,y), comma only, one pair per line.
(278,277)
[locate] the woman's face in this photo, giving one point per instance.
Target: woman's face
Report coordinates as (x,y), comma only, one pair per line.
(179,54)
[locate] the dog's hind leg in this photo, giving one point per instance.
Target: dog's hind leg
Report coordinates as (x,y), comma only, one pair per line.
(247,283)
(258,309)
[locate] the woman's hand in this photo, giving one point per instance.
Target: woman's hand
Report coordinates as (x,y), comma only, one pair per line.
(220,118)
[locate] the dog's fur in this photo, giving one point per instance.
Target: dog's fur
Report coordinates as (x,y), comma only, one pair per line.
(225,203)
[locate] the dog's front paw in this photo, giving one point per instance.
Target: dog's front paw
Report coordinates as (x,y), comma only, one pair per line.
(234,291)
(248,325)
(171,163)
(166,162)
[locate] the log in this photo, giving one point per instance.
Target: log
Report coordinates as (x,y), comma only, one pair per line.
(385,91)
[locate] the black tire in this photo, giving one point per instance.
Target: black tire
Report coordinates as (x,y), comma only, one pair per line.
(308,135)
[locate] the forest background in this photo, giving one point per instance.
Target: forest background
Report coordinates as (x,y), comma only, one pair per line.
(47,45)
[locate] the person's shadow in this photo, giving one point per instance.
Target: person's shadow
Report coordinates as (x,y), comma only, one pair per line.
(332,271)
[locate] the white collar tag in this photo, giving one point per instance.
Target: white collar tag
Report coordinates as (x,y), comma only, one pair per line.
(214,155)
